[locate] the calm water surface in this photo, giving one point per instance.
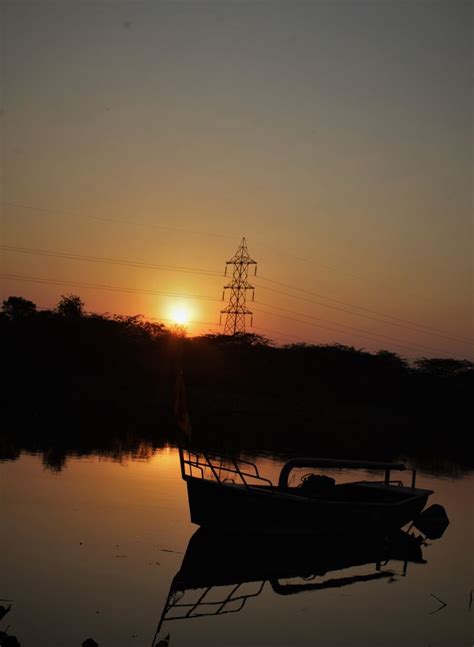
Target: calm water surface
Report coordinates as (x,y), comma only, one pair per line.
(91,551)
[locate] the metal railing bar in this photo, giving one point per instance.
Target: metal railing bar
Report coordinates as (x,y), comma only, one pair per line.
(241,460)
(220,602)
(234,470)
(198,467)
(194,606)
(240,473)
(229,597)
(199,464)
(218,613)
(231,459)
(204,615)
(212,468)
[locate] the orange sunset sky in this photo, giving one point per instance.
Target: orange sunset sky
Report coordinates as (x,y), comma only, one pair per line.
(336,136)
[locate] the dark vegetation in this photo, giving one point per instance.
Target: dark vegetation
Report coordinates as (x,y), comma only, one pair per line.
(78,383)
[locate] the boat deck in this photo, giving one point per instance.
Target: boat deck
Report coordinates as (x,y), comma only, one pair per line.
(367,491)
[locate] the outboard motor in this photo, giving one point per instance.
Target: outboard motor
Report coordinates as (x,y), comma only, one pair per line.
(432,522)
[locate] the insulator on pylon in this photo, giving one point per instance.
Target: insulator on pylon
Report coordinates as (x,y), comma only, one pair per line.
(255,271)
(225,273)
(251,321)
(223,293)
(253,295)
(220,320)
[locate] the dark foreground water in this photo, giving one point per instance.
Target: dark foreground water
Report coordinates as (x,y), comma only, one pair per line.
(92,550)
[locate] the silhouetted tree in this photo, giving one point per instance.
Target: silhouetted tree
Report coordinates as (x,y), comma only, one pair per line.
(391,361)
(67,367)
(18,308)
(444,367)
(240,339)
(70,306)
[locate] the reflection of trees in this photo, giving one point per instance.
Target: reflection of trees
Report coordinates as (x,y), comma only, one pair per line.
(118,450)
(9,449)
(54,459)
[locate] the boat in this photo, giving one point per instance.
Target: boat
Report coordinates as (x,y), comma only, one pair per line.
(229,494)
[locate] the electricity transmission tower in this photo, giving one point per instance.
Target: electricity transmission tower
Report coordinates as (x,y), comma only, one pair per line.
(236,310)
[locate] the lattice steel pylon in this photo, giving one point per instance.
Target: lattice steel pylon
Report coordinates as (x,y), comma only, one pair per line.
(236,310)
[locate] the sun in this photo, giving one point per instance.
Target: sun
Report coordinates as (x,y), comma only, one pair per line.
(180,314)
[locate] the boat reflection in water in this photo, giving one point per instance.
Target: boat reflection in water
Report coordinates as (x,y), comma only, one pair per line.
(216,569)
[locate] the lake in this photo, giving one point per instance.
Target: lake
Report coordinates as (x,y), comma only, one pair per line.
(91,550)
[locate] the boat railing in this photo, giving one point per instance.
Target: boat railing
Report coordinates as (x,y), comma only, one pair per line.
(222,468)
(225,468)
(175,609)
(207,607)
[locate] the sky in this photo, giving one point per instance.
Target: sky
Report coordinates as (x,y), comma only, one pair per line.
(337,137)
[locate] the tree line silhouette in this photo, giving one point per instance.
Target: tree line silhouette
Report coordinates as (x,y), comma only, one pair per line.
(81,377)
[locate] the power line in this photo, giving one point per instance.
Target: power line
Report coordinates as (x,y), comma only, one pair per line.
(339,332)
(181,230)
(346,303)
(96,286)
(123,221)
(127,290)
(362,330)
(109,261)
(191,270)
(310,261)
(206,272)
(204,323)
(368,336)
(126,263)
(357,314)
(342,332)
(146,317)
(435,331)
(299,338)
(284,334)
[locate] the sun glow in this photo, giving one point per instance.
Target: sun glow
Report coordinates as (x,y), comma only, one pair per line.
(179,314)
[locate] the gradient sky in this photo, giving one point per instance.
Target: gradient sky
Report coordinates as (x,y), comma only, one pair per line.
(336,136)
